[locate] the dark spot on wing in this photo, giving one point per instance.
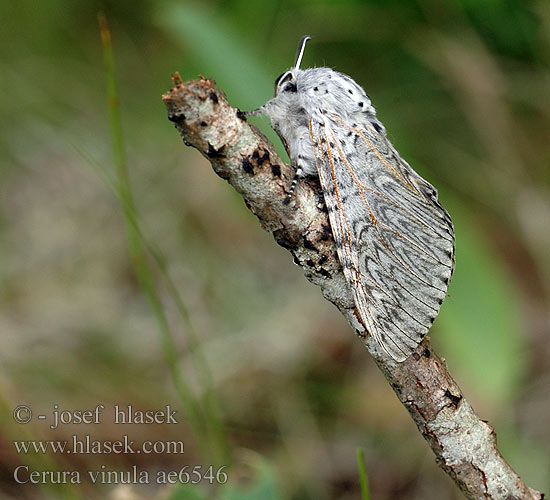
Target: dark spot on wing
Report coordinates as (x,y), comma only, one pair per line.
(213,97)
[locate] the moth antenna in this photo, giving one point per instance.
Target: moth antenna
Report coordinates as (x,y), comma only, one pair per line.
(300,50)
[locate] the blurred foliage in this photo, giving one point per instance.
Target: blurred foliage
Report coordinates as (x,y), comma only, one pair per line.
(463,88)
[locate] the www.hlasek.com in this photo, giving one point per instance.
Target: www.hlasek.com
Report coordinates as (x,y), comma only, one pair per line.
(87,445)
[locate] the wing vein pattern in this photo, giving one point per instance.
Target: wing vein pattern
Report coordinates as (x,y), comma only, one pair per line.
(394,239)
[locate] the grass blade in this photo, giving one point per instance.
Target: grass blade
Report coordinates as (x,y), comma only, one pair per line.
(365,495)
(139,257)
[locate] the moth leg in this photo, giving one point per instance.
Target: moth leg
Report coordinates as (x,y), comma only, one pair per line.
(299,173)
(254,112)
(303,161)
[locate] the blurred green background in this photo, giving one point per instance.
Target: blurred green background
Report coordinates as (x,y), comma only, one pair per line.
(463,88)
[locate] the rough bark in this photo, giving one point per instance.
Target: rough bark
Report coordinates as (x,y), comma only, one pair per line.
(464,445)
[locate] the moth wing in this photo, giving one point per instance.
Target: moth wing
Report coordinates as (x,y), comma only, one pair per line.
(394,239)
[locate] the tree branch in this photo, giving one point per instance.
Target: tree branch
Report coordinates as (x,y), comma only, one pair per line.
(464,445)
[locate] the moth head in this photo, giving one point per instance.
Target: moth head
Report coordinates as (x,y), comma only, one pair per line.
(287,81)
